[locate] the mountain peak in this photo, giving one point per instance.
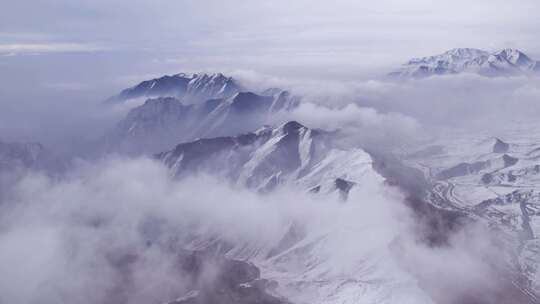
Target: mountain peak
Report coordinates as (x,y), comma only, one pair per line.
(500,146)
(215,77)
(189,88)
(291,126)
(456,54)
(514,56)
(466,52)
(506,62)
(287,154)
(162,122)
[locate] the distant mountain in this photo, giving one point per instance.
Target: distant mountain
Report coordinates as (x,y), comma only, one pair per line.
(24,156)
(162,122)
(507,62)
(188,88)
(289,154)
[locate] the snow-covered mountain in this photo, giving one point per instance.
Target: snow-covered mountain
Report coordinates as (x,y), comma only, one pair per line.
(188,88)
(507,62)
(496,182)
(209,124)
(162,122)
(205,133)
(301,264)
(290,154)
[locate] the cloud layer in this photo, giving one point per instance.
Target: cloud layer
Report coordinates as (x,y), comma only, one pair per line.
(64,240)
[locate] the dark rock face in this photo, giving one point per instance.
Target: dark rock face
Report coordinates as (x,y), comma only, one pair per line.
(241,294)
(195,156)
(315,189)
(202,276)
(500,146)
(249,102)
(262,158)
(528,202)
(344,187)
(192,156)
(227,272)
(511,176)
(165,86)
(509,160)
(435,225)
(487,178)
(515,197)
(395,172)
(232,281)
(463,169)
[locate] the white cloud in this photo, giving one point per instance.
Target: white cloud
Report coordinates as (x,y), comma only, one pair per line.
(25,48)
(57,237)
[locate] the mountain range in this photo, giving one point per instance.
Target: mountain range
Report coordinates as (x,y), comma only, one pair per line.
(227,136)
(506,62)
(213,125)
(188,88)
(185,108)
(289,154)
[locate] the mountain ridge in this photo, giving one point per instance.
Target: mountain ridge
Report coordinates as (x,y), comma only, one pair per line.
(189,88)
(163,121)
(271,156)
(505,62)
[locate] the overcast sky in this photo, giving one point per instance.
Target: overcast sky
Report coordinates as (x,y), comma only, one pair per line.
(129,38)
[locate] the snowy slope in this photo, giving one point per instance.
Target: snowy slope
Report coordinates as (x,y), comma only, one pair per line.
(290,154)
(311,261)
(323,264)
(506,62)
(189,88)
(489,179)
(503,194)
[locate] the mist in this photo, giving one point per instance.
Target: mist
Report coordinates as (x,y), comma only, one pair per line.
(68,55)
(61,240)
(69,119)
(346,203)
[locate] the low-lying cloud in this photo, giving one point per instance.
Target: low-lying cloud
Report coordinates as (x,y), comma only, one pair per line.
(62,240)
(358,126)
